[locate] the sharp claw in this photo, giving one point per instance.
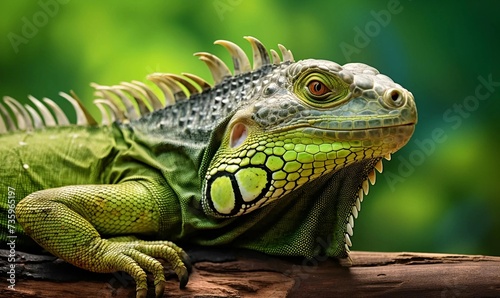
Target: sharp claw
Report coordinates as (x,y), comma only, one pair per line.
(141,293)
(160,288)
(187,262)
(183,278)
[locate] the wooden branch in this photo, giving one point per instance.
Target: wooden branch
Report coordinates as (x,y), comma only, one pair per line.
(241,273)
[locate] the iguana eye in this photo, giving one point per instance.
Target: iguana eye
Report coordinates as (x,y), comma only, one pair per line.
(321,89)
(317,88)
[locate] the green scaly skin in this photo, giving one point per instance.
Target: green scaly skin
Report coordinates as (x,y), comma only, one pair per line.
(276,159)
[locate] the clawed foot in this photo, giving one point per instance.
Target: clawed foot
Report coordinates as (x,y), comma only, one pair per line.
(137,256)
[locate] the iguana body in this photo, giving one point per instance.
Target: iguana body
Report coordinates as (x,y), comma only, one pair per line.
(274,159)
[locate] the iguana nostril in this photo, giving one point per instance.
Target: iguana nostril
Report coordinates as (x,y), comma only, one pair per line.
(395,95)
(394,98)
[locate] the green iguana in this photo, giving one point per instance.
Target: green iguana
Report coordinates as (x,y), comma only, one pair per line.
(274,158)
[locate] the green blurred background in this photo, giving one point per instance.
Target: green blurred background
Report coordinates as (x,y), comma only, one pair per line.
(439,194)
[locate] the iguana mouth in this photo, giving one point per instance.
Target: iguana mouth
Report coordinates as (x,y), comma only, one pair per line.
(323,130)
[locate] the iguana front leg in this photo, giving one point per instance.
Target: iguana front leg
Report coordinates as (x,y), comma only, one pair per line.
(68,222)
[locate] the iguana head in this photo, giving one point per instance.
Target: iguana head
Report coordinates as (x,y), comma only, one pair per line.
(304,122)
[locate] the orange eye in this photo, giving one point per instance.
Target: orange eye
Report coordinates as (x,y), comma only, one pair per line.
(317,88)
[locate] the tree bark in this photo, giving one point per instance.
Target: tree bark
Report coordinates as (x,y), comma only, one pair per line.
(242,273)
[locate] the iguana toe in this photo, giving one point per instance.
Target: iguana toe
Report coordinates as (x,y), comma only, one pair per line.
(187,261)
(142,293)
(183,277)
(160,288)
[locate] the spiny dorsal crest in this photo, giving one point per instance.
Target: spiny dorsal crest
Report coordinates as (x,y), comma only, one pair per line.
(132,100)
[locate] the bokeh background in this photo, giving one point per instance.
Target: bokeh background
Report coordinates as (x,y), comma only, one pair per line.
(439,194)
